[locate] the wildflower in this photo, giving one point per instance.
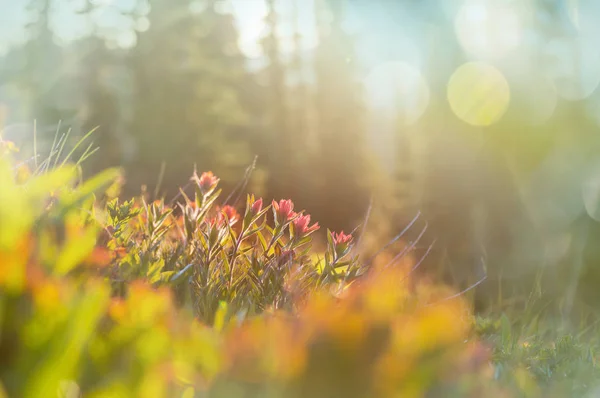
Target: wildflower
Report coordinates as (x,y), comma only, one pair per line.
(341,243)
(231,214)
(207,182)
(301,227)
(254,210)
(100,257)
(216,220)
(283,211)
(341,238)
(257,206)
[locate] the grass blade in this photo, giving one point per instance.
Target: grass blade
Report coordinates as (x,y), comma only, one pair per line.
(66,159)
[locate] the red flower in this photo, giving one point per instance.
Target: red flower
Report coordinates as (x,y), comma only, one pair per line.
(216,220)
(283,211)
(301,225)
(257,206)
(341,238)
(207,182)
(231,214)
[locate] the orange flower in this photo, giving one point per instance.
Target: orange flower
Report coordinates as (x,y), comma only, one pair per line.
(301,227)
(231,214)
(207,182)
(120,252)
(100,257)
(283,211)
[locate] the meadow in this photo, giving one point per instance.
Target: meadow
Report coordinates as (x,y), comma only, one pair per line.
(299,198)
(106,297)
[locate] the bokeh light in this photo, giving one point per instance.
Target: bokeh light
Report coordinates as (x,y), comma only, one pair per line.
(478,93)
(488,29)
(583,14)
(574,66)
(399,86)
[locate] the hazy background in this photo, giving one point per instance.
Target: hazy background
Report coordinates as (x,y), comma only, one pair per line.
(481,114)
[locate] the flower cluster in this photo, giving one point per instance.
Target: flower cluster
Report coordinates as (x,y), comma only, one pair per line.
(107,314)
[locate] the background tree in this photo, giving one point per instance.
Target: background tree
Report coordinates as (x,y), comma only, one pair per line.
(281,142)
(189,76)
(340,121)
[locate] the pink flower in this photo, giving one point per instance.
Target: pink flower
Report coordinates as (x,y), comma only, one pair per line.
(341,238)
(301,225)
(231,214)
(257,206)
(341,243)
(283,211)
(207,182)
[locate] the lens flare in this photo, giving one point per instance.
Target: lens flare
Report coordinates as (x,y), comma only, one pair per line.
(478,93)
(488,29)
(574,67)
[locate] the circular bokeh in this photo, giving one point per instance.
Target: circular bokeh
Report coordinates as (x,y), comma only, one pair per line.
(478,93)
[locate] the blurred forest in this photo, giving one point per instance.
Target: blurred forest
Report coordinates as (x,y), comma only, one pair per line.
(482,115)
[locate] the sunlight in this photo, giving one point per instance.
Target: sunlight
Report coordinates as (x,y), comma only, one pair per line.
(478,93)
(250,18)
(399,86)
(488,29)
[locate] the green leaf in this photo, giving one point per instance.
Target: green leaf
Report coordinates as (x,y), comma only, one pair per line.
(155,268)
(189,393)
(44,184)
(96,184)
(75,250)
(262,241)
(176,277)
(61,360)
(221,316)
(505,331)
(163,277)
(16,213)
